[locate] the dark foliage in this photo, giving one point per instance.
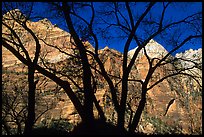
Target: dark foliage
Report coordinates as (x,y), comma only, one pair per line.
(48,131)
(97,127)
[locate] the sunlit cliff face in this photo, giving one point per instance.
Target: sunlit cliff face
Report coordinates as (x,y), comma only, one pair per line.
(181,113)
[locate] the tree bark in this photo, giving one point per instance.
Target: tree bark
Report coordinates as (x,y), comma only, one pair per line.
(121,113)
(31,101)
(138,113)
(6,127)
(88,90)
(100,111)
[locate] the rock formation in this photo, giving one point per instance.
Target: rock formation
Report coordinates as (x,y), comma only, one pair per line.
(56,52)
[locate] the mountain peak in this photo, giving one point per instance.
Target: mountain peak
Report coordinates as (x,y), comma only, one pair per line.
(16,13)
(153,49)
(106,48)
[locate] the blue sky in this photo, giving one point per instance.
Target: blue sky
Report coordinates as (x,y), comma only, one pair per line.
(175,12)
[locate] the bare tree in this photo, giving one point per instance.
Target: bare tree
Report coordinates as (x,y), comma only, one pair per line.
(14,42)
(21,20)
(129,25)
(14,105)
(121,17)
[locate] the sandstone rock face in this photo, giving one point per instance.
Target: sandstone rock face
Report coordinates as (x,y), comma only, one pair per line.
(57,52)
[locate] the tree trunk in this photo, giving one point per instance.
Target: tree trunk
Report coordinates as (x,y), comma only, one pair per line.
(19,127)
(6,127)
(138,113)
(88,102)
(31,102)
(88,90)
(121,113)
(100,111)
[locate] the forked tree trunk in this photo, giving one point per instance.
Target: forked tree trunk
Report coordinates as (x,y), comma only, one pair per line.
(138,113)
